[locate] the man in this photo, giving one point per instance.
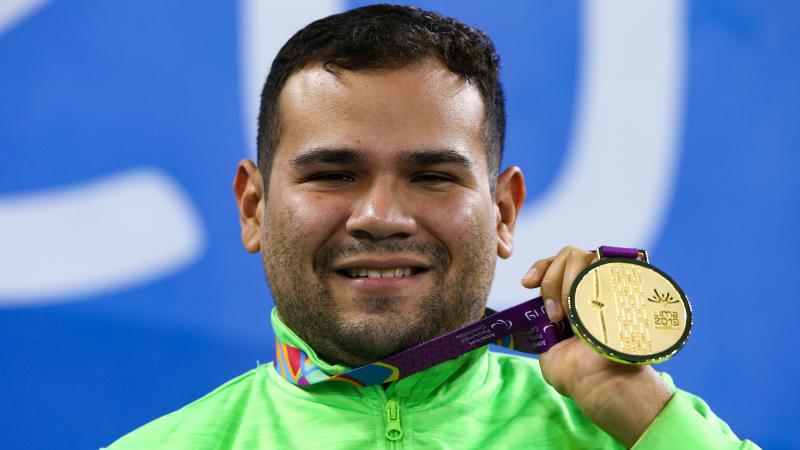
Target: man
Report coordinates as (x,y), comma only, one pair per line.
(379,209)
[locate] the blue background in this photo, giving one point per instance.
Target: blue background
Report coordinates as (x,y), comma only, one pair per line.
(93,88)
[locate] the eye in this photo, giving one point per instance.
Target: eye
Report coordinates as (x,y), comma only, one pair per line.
(432,178)
(332,178)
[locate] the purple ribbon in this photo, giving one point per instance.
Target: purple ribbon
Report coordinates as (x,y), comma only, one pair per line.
(526,324)
(524,327)
(619,252)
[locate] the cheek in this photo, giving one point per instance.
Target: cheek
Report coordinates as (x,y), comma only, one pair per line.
(455,220)
(306,219)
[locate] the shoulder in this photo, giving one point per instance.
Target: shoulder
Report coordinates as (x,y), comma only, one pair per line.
(517,367)
(520,376)
(201,424)
(516,395)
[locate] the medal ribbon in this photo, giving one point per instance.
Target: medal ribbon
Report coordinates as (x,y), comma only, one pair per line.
(524,327)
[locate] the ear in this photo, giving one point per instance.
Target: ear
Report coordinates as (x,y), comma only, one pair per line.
(248,187)
(509,195)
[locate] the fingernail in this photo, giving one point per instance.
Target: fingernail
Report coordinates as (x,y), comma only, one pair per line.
(531,273)
(552,308)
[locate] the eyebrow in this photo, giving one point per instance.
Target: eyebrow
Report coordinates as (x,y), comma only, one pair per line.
(434,157)
(327,156)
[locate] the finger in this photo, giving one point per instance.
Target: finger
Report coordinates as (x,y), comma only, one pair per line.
(551,285)
(576,261)
(533,277)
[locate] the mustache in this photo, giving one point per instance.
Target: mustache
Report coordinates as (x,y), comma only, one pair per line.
(434,254)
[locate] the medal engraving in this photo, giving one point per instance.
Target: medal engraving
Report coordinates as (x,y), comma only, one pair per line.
(626,285)
(629,311)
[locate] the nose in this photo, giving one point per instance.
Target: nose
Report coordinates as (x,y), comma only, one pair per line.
(381,212)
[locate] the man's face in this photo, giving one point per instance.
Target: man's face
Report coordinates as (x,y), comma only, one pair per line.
(379,230)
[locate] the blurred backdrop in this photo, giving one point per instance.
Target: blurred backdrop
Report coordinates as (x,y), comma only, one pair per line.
(124,290)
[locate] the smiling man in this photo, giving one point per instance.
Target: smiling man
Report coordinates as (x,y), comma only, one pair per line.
(379,210)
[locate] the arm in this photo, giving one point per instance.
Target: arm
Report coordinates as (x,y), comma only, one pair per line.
(687,421)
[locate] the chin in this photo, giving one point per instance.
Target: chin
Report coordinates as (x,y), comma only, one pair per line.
(376,335)
(375,307)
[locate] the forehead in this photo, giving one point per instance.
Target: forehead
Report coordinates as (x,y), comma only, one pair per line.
(381,112)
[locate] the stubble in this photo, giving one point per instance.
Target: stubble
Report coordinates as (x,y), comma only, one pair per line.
(307,305)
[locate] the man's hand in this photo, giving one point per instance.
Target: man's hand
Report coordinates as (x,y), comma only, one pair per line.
(622,399)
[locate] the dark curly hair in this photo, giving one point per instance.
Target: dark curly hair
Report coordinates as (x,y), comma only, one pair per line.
(386,37)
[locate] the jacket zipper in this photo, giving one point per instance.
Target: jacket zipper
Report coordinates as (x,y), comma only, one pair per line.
(394,432)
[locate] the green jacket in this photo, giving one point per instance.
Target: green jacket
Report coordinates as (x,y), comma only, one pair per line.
(481,400)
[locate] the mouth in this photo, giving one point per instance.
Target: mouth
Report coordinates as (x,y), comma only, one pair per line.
(398,276)
(392,272)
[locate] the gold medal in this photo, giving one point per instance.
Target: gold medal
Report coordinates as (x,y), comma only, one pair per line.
(629,311)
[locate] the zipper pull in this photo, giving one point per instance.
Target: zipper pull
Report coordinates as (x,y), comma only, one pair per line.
(394,432)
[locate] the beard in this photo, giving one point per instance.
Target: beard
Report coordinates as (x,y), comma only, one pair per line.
(378,329)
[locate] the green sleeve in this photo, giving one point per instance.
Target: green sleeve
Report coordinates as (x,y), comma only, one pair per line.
(687,422)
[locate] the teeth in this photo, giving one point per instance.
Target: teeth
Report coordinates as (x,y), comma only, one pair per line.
(359,272)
